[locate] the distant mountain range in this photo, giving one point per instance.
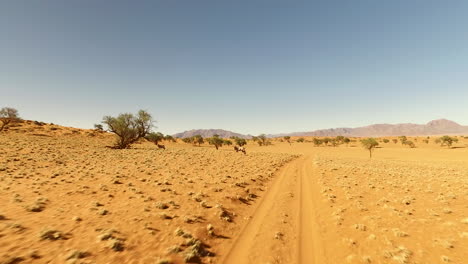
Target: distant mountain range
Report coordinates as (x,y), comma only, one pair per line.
(209,133)
(435,127)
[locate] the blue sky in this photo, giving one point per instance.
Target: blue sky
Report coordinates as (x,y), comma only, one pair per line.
(247,66)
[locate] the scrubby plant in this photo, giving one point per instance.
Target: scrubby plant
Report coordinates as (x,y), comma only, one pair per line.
(403,139)
(129,128)
(287,139)
(98,127)
(395,140)
(197,139)
(240,141)
(187,140)
(446,141)
(227,142)
(409,143)
(369,144)
(326,140)
(300,140)
(169,138)
(262,139)
(215,141)
(385,140)
(8,115)
(317,142)
(155,137)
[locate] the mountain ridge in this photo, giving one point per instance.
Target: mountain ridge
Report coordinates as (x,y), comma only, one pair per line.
(433,127)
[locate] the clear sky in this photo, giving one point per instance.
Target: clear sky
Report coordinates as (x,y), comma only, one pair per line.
(247,66)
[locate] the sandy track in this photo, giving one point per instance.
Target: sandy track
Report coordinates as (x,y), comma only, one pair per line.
(310,247)
(258,242)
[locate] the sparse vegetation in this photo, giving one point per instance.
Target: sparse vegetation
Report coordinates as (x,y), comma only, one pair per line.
(155,137)
(240,141)
(287,139)
(129,128)
(403,139)
(7,116)
(215,141)
(317,142)
(446,141)
(300,140)
(409,143)
(369,144)
(99,127)
(198,139)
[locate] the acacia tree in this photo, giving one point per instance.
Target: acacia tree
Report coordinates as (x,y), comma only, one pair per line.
(155,137)
(187,140)
(197,139)
(262,140)
(215,141)
(446,141)
(8,115)
(369,144)
(240,141)
(128,127)
(287,139)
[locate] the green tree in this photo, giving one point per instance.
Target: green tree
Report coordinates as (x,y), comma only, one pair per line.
(187,140)
(240,141)
(446,141)
(262,140)
(8,115)
(215,141)
(155,137)
(197,139)
(227,142)
(128,127)
(369,144)
(98,127)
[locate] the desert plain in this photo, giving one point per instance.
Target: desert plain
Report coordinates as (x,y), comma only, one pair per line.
(66,197)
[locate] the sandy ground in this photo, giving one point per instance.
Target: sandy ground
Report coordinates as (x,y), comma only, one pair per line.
(335,205)
(66,198)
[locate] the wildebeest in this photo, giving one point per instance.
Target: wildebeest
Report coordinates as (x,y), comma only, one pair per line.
(241,149)
(161,146)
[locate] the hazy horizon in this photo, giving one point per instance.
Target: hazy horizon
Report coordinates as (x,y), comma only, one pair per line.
(248,67)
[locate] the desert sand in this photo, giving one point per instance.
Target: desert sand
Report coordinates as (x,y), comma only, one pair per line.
(65,197)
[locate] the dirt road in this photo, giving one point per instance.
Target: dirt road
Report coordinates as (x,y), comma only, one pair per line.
(284,228)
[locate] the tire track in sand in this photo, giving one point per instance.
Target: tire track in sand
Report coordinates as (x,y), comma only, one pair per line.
(255,242)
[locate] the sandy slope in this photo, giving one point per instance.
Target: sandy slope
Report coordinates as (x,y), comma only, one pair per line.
(65,197)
